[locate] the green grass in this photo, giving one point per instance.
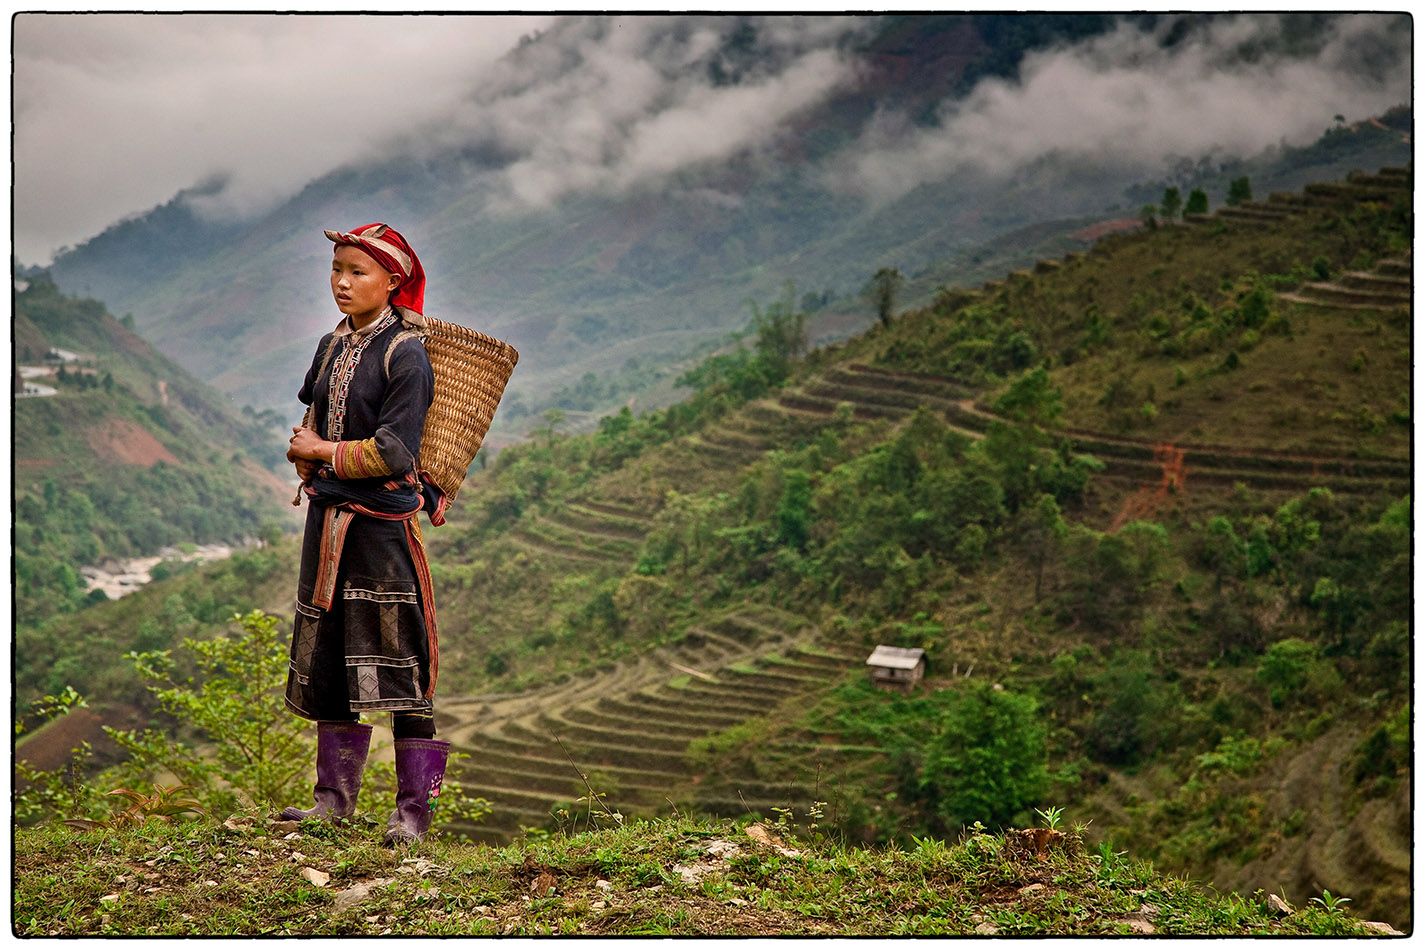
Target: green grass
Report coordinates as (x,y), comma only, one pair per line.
(659,877)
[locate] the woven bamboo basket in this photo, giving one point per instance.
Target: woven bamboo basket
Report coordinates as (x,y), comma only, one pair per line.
(471,370)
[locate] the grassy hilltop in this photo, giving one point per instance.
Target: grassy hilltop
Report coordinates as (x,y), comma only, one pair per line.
(665,877)
(1146,508)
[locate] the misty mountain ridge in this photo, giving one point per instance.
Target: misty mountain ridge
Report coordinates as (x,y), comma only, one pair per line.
(621,189)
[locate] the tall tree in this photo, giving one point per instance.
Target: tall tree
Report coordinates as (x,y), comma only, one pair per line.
(1172,203)
(1239,191)
(882,289)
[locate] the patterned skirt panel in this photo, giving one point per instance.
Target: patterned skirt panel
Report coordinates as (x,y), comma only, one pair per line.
(362,643)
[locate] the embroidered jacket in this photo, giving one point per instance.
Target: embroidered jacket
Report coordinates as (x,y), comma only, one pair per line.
(375,418)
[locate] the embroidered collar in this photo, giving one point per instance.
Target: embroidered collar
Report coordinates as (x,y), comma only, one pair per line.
(382,321)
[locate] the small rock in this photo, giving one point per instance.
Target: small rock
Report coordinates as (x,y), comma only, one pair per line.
(603,885)
(282,827)
(210,883)
(1030,889)
(721,849)
(297,856)
(373,919)
(1140,926)
(986,928)
(419,865)
(1381,927)
(239,824)
(759,833)
(292,836)
(108,898)
(1278,906)
(737,902)
(691,874)
(598,905)
(357,893)
(318,878)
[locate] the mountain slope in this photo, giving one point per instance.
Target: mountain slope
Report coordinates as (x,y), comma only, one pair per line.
(130,453)
(1191,593)
(652,274)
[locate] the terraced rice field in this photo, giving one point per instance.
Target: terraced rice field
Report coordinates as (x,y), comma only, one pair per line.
(627,727)
(1387,287)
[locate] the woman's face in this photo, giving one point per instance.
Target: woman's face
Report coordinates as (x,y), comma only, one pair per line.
(360,286)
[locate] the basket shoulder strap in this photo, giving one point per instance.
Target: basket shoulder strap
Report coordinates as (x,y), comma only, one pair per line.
(396,341)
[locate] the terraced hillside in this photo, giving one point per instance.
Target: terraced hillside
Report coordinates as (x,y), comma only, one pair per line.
(628,722)
(627,727)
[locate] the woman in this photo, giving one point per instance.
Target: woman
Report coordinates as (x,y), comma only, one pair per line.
(364,636)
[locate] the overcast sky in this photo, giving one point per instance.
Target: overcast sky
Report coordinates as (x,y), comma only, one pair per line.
(115,114)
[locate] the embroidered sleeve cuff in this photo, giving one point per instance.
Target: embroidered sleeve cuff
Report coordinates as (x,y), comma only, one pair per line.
(359,459)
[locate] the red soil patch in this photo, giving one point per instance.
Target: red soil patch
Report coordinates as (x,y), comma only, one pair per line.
(1150,498)
(119,440)
(1095,231)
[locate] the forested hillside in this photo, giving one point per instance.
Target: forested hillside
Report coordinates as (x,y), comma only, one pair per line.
(1145,508)
(128,454)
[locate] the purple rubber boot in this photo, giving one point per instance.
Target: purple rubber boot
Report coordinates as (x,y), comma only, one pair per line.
(341,758)
(420,768)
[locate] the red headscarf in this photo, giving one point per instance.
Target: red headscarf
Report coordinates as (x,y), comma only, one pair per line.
(392,252)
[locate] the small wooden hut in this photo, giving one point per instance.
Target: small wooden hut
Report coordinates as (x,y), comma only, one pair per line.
(896,667)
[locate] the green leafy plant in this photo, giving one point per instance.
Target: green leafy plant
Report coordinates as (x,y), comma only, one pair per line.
(1331,902)
(255,752)
(163,803)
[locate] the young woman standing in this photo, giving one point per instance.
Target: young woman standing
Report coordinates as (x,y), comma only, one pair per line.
(364,637)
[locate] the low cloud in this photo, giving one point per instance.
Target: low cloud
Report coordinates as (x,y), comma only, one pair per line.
(115,113)
(614,104)
(1126,99)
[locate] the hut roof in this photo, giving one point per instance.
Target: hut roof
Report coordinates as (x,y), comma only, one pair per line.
(896,658)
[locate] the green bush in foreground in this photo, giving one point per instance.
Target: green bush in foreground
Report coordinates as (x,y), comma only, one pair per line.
(240,747)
